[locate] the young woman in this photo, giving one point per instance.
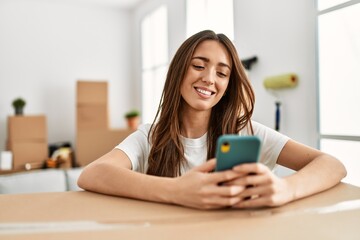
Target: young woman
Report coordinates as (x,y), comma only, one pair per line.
(207,94)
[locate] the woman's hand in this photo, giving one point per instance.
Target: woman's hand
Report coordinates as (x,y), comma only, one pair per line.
(201,188)
(261,187)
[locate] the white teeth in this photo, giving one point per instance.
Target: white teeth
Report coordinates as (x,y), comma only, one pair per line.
(203,91)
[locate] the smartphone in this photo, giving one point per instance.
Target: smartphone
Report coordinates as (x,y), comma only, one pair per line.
(232,150)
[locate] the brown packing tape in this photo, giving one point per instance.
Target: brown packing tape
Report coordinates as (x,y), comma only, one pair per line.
(289,80)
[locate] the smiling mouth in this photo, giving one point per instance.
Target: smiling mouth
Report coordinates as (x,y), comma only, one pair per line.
(205,92)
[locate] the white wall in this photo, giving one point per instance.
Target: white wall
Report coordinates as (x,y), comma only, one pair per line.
(282,34)
(46,46)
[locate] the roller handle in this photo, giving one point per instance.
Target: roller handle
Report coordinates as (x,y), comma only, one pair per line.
(247,63)
(277,116)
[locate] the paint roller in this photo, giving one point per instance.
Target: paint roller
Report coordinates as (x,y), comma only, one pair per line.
(279,82)
(289,80)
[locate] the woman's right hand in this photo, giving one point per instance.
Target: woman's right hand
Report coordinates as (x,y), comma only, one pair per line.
(201,188)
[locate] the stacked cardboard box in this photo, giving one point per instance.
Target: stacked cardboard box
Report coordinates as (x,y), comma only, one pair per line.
(94,138)
(27,140)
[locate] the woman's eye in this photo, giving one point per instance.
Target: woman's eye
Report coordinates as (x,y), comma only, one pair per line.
(222,74)
(198,67)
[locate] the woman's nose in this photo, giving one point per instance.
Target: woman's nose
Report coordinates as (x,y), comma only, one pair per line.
(208,77)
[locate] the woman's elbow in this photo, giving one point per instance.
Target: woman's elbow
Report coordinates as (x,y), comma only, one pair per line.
(81,182)
(343,171)
(84,181)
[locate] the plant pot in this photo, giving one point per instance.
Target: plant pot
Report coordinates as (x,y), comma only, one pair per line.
(133,122)
(19,111)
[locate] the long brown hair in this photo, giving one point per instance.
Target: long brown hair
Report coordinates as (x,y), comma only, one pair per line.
(231,114)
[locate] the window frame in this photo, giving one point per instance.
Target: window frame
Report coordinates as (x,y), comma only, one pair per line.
(321,135)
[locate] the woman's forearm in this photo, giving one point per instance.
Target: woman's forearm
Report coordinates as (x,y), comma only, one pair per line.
(320,174)
(198,188)
(115,180)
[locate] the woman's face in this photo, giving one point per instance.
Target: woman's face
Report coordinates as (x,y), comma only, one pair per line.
(207,76)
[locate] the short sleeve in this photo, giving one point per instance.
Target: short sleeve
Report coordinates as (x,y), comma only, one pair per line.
(136,147)
(272,142)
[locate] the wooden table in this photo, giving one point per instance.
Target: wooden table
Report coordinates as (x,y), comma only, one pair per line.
(333,214)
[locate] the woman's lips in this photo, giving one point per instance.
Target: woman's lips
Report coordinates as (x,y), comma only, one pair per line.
(204,91)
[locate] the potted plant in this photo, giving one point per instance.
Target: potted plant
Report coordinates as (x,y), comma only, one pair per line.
(19,105)
(133,119)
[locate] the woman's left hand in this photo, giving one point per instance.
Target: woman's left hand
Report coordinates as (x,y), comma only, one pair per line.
(261,187)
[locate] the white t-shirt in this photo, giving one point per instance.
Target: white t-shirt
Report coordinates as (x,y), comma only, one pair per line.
(137,148)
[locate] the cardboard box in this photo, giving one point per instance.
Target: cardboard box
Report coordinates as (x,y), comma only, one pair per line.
(331,214)
(91,92)
(92,117)
(23,128)
(90,145)
(28,152)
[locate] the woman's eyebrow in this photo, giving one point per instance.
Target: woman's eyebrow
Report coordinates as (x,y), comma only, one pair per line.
(208,60)
(201,58)
(224,65)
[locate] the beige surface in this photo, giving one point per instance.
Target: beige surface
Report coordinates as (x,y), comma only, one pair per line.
(94,137)
(90,117)
(91,145)
(27,140)
(333,214)
(91,92)
(27,128)
(35,152)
